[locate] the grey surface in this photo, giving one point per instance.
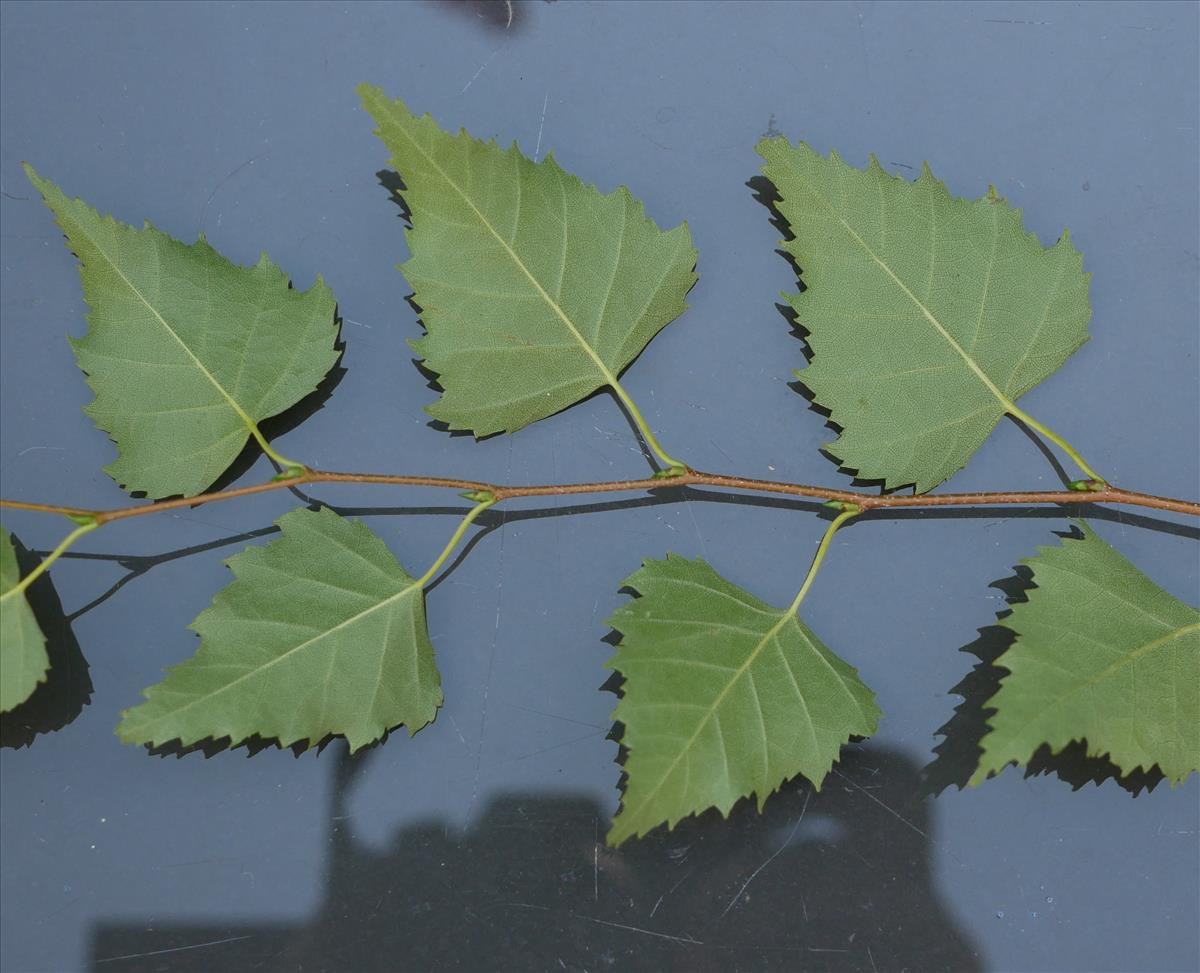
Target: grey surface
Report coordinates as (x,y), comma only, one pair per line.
(479,843)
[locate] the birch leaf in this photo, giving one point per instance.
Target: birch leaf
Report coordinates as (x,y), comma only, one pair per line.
(724,697)
(185,351)
(536,290)
(321,632)
(1103,655)
(929,316)
(23,658)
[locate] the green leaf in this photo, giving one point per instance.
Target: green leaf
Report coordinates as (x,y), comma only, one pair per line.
(724,696)
(23,658)
(929,316)
(536,290)
(321,632)
(1104,655)
(185,351)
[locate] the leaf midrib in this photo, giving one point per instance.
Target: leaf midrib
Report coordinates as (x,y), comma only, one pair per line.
(1105,673)
(929,316)
(609,378)
(280,658)
(711,710)
(251,426)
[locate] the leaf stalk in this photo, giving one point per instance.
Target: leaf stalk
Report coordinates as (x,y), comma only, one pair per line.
(1055,438)
(850,510)
(673,466)
(457,536)
(49,559)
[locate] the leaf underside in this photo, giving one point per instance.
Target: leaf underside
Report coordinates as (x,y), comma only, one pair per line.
(186,351)
(724,697)
(1103,655)
(928,316)
(23,658)
(321,632)
(536,290)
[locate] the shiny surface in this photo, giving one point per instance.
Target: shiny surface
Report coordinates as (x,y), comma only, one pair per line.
(480,843)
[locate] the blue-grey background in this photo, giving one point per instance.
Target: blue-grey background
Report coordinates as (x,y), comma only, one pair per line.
(479,843)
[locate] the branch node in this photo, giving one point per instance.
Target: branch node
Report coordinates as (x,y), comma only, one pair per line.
(293,472)
(670,473)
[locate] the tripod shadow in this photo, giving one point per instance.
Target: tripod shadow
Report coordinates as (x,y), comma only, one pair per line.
(836,880)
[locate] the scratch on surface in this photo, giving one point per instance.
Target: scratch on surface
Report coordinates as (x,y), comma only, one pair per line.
(486,62)
(778,851)
(217,188)
(596,863)
(30,449)
(718,448)
(668,892)
(862,42)
(895,814)
(899,817)
(487,686)
(1023,23)
(175,949)
(645,932)
(871,957)
(555,716)
(458,732)
(804,908)
(687,940)
(561,744)
(60,909)
(541,125)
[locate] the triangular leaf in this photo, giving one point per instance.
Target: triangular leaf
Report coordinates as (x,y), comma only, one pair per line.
(1104,655)
(929,316)
(724,697)
(185,351)
(23,658)
(321,632)
(535,289)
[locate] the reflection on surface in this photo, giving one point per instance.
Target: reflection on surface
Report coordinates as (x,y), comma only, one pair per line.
(836,880)
(68,687)
(958,754)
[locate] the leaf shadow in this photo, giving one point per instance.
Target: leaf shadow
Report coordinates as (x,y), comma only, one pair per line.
(60,699)
(959,752)
(253,745)
(766,194)
(394,183)
(283,423)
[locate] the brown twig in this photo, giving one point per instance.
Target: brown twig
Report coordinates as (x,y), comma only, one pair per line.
(694,478)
